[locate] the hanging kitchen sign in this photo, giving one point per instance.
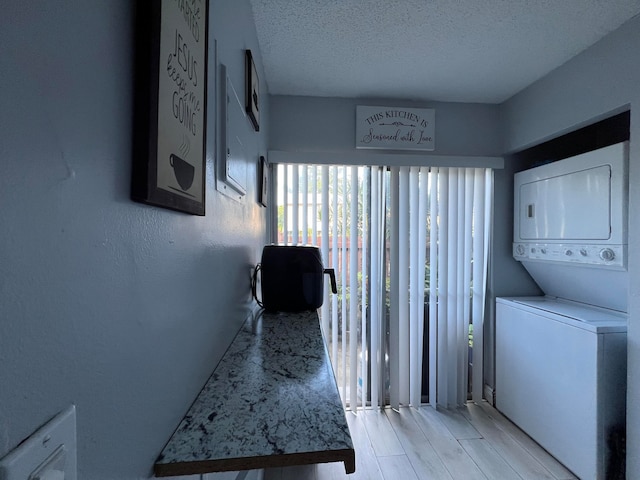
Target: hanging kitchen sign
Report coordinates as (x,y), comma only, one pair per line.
(171,80)
(395,128)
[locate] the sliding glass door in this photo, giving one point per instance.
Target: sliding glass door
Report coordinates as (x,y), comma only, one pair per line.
(384,230)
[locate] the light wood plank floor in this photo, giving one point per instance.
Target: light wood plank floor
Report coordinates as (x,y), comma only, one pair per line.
(474,442)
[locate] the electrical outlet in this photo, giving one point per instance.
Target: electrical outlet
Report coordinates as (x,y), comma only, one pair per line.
(48,454)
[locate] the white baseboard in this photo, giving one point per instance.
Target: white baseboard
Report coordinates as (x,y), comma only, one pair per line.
(489,395)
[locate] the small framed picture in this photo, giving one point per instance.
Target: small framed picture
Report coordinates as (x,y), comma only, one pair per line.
(252,91)
(263,193)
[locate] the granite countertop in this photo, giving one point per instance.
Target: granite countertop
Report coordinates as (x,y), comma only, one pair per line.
(271,401)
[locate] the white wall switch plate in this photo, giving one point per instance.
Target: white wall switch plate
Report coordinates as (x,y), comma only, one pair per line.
(48,454)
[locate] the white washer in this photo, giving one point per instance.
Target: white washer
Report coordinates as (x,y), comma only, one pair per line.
(561,377)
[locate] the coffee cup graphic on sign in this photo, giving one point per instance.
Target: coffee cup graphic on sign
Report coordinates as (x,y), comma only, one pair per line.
(183,171)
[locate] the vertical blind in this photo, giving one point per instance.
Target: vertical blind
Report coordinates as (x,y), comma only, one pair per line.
(409,246)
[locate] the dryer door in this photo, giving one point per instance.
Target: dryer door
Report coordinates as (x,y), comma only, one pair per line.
(571,206)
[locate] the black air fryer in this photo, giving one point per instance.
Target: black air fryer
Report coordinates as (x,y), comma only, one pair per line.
(292,278)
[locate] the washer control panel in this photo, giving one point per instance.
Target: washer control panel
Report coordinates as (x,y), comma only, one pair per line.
(613,256)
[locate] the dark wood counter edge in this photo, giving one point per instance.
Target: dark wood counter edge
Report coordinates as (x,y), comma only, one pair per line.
(252,463)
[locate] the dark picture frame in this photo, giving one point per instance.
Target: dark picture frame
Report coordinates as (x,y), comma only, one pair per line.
(252,91)
(169,158)
(263,184)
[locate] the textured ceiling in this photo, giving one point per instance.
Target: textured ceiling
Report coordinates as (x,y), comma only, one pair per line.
(446,50)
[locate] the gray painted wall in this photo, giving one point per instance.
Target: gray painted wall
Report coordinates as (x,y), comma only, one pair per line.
(601,80)
(120,308)
(328,124)
(507,277)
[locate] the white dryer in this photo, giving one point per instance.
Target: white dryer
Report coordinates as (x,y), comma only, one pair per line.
(570,226)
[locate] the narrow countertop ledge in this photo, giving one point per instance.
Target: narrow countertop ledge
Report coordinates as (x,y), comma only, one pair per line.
(272,401)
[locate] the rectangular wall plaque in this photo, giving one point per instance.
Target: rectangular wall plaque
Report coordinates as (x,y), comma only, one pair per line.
(171,79)
(395,128)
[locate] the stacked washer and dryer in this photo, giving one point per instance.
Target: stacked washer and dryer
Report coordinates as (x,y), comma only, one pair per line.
(561,358)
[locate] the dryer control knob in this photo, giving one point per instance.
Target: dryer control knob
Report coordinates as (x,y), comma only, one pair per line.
(520,250)
(568,253)
(583,252)
(607,254)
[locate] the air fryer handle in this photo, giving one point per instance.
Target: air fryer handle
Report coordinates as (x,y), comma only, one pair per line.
(332,277)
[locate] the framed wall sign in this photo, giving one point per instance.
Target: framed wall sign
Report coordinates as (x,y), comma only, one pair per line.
(395,128)
(263,184)
(171,87)
(252,92)
(232,158)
